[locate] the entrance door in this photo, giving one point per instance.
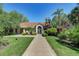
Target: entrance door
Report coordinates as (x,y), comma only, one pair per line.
(39,30)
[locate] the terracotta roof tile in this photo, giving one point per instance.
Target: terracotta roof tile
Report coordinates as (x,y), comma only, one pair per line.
(30,24)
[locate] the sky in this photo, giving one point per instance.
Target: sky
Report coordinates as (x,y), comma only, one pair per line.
(37,12)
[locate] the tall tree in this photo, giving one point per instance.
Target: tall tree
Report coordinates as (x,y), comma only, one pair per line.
(60,19)
(58,13)
(74,15)
(54,21)
(10,20)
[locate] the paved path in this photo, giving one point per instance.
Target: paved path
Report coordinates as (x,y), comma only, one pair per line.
(39,47)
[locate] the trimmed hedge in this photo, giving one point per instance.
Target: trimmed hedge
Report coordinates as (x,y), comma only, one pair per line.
(51,31)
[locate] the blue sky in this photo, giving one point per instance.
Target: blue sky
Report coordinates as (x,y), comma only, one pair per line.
(37,12)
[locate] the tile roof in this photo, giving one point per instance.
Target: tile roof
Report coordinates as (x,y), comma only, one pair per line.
(30,24)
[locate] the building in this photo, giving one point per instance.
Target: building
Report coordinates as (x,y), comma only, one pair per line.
(38,27)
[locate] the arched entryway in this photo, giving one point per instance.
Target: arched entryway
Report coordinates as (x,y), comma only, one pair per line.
(39,29)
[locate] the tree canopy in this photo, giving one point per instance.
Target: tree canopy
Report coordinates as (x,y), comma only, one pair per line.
(59,18)
(10,19)
(74,15)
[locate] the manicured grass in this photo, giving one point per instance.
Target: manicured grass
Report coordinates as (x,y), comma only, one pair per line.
(17,45)
(61,49)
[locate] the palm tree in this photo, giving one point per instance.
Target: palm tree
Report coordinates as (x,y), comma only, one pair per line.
(58,13)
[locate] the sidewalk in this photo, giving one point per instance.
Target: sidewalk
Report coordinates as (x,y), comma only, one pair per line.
(39,47)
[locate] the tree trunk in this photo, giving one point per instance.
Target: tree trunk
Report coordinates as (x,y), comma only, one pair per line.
(8,31)
(14,31)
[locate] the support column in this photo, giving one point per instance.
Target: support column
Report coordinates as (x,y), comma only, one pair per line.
(24,31)
(14,31)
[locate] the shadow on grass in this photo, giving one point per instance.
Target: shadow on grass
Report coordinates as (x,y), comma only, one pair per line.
(69,46)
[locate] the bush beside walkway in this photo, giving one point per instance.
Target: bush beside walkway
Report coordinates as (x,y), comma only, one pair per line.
(61,49)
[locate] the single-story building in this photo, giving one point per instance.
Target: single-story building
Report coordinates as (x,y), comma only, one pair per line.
(39,27)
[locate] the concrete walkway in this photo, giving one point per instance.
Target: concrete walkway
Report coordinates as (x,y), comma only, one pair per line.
(39,47)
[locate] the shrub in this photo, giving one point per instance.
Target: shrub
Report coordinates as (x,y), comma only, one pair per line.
(24,33)
(62,35)
(44,34)
(75,38)
(51,31)
(66,34)
(72,34)
(33,33)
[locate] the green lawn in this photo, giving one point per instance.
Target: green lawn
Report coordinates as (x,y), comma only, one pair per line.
(60,49)
(17,45)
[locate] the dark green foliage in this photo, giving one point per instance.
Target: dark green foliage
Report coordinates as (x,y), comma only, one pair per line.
(44,34)
(51,31)
(71,34)
(60,19)
(74,15)
(75,38)
(62,35)
(10,20)
(54,22)
(58,13)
